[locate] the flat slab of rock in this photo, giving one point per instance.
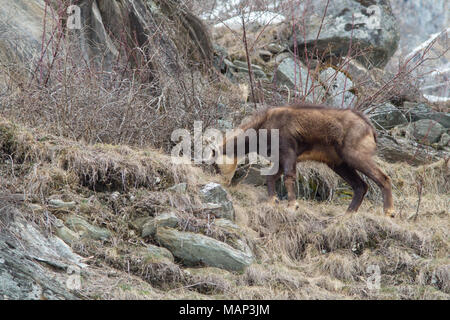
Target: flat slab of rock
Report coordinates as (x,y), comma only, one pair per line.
(155,254)
(168,219)
(33,266)
(86,230)
(196,249)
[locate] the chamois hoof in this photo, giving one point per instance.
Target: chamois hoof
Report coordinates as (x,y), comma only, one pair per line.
(293,205)
(390,213)
(274,201)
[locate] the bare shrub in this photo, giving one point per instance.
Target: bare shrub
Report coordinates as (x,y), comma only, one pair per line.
(140,101)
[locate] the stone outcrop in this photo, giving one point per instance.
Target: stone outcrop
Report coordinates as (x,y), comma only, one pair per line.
(196,249)
(33,265)
(369,25)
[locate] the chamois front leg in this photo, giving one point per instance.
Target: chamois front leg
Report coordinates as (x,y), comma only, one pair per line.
(289,163)
(271,180)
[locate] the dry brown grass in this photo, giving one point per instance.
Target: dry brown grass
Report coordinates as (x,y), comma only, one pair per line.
(316,252)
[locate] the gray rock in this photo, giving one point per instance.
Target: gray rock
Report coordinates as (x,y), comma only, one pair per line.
(86,230)
(243,64)
(168,219)
(22,28)
(155,254)
(214,195)
(33,265)
(56,203)
(67,235)
(418,20)
(426,131)
(367,24)
(251,175)
(275,48)
(280,57)
(404,150)
(179,188)
(294,75)
(337,86)
(265,55)
(228,226)
(257,73)
(194,249)
(386,116)
(445,140)
(419,111)
(138,223)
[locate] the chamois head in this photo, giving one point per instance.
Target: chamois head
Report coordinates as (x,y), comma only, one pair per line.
(225,164)
(227,167)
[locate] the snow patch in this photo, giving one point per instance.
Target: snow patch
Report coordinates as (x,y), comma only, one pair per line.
(259,17)
(436,99)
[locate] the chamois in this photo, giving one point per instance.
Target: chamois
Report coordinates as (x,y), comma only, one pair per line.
(344,139)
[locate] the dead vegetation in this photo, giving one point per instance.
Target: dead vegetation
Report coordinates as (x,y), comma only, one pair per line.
(314,252)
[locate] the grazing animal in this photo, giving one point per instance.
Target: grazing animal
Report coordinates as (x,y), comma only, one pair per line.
(344,139)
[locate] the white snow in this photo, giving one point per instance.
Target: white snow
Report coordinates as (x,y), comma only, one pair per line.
(436,99)
(261,17)
(425,44)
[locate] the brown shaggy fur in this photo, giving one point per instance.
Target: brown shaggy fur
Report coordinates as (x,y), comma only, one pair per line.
(344,139)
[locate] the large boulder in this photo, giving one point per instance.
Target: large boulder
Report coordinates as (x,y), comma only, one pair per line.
(426,131)
(34,266)
(196,249)
(108,31)
(22,30)
(369,25)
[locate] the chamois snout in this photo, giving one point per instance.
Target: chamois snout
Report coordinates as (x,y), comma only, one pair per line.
(226,167)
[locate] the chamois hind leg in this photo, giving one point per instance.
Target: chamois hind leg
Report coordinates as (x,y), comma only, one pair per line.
(288,164)
(365,164)
(271,180)
(358,185)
